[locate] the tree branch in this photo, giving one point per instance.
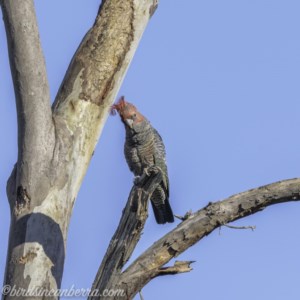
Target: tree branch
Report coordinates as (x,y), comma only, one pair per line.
(35,127)
(127,234)
(240,227)
(97,71)
(179,267)
(198,225)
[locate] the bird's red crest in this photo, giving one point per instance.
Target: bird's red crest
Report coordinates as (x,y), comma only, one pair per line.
(126,110)
(119,106)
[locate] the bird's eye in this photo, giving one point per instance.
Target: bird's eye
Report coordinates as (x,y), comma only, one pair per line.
(134,116)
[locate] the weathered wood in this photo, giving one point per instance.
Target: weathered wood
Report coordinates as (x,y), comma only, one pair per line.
(149,265)
(126,236)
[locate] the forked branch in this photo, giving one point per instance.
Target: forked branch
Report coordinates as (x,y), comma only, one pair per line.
(150,264)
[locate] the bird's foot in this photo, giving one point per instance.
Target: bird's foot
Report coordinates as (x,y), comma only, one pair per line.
(151,170)
(138,180)
(147,172)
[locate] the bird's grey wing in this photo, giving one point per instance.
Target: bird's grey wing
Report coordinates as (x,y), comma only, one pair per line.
(160,160)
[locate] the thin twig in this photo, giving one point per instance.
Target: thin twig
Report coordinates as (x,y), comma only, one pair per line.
(185,217)
(179,267)
(240,227)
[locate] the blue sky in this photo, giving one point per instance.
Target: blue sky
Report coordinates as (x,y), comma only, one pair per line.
(220,81)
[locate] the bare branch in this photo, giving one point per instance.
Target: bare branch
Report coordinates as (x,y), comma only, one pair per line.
(98,68)
(141,295)
(187,233)
(185,217)
(35,130)
(240,227)
(127,234)
(179,267)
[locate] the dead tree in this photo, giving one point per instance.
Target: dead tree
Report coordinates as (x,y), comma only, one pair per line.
(55,145)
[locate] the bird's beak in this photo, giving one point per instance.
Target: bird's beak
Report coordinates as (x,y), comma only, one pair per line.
(129,122)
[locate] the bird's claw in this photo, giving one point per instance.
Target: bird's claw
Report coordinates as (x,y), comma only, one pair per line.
(147,172)
(151,170)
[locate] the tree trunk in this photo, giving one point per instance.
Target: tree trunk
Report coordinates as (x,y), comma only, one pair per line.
(55,147)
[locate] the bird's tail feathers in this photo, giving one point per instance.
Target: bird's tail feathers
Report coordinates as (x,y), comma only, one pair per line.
(163,212)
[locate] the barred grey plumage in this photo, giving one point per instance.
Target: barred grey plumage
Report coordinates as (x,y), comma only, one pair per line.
(144,149)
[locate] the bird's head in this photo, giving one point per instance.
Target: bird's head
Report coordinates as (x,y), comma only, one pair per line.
(130,116)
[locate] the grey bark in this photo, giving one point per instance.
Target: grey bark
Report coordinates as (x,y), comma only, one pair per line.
(29,182)
(35,126)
